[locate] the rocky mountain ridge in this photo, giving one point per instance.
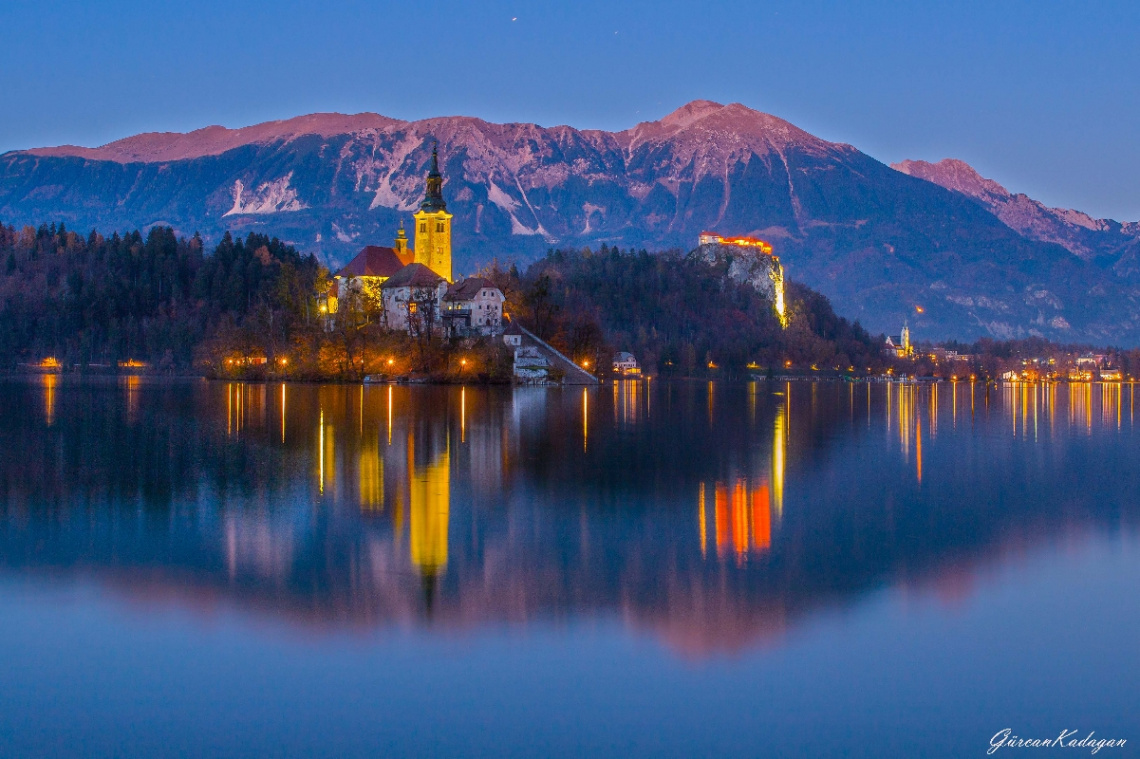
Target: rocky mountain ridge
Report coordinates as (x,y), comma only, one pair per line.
(1081,234)
(881,244)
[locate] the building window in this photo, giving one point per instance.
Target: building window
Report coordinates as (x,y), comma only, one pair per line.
(412,307)
(439,226)
(423,227)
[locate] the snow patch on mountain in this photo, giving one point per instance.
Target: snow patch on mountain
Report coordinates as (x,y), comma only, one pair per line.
(509,205)
(386,195)
(269,197)
(342,235)
(589,209)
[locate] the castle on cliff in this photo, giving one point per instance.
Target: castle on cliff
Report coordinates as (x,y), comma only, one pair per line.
(760,267)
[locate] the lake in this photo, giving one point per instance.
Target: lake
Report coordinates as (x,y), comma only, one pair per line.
(192,568)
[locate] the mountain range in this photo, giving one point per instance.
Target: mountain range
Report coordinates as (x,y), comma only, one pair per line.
(936,245)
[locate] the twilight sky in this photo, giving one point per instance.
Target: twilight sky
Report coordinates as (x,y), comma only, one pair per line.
(1042,96)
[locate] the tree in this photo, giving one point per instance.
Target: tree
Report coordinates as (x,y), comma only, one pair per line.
(422,312)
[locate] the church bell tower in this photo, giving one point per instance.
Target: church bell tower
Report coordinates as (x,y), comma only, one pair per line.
(433,225)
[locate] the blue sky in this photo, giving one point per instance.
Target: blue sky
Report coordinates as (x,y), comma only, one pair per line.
(1042,96)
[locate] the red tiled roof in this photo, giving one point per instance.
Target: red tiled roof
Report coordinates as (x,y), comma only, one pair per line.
(413,275)
(374,261)
(468,288)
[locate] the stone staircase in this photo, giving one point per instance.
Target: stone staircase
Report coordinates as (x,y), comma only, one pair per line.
(572,373)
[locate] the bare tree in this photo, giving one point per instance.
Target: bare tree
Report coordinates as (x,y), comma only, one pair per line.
(422,310)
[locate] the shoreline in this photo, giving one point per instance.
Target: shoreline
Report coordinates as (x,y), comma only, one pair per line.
(476,382)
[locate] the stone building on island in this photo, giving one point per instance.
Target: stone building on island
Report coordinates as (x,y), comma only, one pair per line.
(414,286)
(473,306)
(412,298)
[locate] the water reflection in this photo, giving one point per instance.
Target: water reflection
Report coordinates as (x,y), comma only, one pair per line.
(456,507)
(49,382)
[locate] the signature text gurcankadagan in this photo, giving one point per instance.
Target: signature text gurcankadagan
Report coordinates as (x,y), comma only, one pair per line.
(1067,739)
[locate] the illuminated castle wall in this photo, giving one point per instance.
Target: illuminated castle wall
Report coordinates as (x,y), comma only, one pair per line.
(769,278)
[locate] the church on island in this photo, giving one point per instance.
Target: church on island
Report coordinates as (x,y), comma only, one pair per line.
(414,286)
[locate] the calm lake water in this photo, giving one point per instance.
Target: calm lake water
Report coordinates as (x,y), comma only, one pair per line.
(680,569)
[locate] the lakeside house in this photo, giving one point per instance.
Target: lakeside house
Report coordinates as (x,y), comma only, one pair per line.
(411,298)
(625,364)
(473,306)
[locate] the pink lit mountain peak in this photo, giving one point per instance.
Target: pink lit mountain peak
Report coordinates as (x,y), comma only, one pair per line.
(875,241)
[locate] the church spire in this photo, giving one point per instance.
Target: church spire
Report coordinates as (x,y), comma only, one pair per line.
(433,224)
(433,198)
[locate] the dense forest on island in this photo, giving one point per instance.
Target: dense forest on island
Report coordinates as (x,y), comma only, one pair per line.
(678,314)
(90,301)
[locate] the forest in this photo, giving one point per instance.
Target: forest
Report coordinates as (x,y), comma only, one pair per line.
(95,300)
(679,315)
(169,304)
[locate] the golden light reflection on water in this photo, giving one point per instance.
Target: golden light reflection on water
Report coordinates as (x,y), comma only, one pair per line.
(321,453)
(130,383)
(494,489)
(627,400)
(585,418)
(401,456)
(49,382)
(371,468)
(429,513)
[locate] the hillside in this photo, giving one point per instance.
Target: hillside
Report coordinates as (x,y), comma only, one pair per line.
(1107,242)
(880,244)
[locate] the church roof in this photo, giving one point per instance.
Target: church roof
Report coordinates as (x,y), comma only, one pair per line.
(468,288)
(373,261)
(413,275)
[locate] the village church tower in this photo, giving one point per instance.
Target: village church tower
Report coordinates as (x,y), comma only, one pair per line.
(433,225)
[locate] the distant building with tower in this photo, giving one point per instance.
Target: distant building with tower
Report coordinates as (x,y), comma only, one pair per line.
(899,345)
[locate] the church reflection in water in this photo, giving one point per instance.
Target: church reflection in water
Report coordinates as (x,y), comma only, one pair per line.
(454,507)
